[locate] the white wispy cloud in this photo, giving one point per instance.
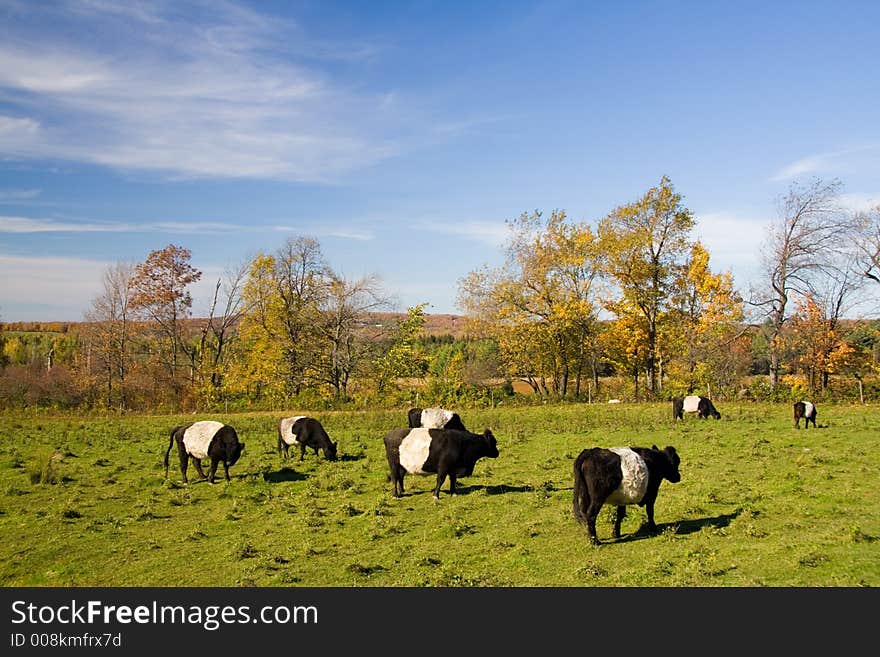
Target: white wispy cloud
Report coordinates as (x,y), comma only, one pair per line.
(9,224)
(492,233)
(220,94)
(832,162)
(25,225)
(351,234)
(18,194)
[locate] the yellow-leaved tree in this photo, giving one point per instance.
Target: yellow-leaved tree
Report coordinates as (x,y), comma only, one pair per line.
(702,323)
(644,245)
(540,305)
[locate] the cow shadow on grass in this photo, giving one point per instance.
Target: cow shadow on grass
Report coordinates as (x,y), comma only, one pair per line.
(283,475)
(462,490)
(682,527)
(495,489)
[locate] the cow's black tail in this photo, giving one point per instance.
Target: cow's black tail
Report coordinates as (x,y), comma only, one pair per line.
(581,498)
(168,451)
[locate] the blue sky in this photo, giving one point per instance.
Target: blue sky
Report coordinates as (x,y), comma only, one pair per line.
(402,135)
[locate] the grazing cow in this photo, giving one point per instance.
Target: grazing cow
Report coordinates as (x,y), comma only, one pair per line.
(620,476)
(702,406)
(434,418)
(205,439)
(305,432)
(806,410)
(441,451)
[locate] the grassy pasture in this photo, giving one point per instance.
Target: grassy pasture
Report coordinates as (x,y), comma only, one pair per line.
(84,502)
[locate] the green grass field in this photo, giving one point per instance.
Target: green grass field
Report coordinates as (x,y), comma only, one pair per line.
(84,502)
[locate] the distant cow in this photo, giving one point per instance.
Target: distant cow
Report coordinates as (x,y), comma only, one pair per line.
(620,476)
(702,406)
(305,432)
(806,410)
(205,439)
(441,451)
(434,418)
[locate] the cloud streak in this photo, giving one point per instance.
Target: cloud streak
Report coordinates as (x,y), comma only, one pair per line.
(216,95)
(832,161)
(491,233)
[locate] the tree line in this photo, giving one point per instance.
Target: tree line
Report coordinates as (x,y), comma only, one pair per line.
(627,305)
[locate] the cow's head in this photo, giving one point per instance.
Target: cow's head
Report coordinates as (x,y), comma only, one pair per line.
(670,461)
(492,447)
(233,452)
(330,452)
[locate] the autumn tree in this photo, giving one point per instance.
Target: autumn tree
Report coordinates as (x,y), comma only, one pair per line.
(283,296)
(404,357)
(258,365)
(223,317)
(644,245)
(347,341)
(159,294)
(541,304)
(702,321)
(818,346)
(864,342)
(625,344)
(108,332)
(800,247)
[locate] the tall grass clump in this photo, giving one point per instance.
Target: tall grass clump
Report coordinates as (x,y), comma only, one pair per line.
(42,468)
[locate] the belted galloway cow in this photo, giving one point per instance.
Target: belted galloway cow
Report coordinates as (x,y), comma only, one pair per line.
(702,406)
(304,432)
(806,410)
(441,451)
(434,418)
(620,476)
(205,439)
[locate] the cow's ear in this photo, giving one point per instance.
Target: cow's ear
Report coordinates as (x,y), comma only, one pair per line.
(655,448)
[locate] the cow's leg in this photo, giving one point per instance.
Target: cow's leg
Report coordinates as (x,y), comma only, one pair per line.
(397,475)
(302,451)
(649,509)
(184,462)
(441,477)
(452,480)
(198,464)
(592,514)
(621,514)
(214,463)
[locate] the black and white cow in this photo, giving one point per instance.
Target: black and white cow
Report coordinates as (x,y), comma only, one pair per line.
(434,418)
(205,439)
(806,410)
(702,406)
(305,432)
(620,476)
(441,451)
